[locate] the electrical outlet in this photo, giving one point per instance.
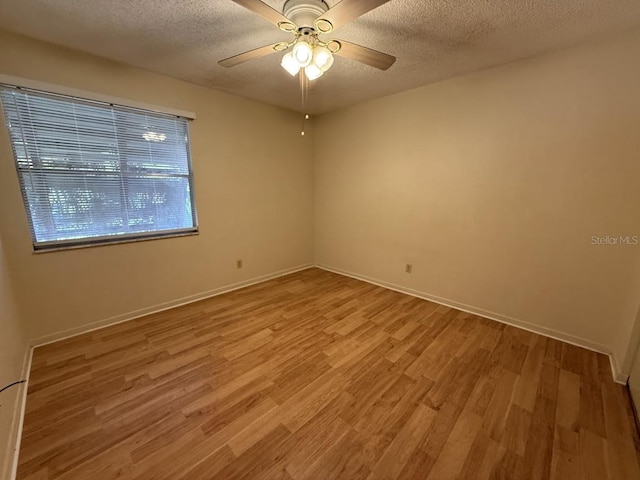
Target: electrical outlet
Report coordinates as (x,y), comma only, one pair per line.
(408,268)
(238,263)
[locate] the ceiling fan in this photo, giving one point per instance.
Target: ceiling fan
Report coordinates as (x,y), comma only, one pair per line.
(306,20)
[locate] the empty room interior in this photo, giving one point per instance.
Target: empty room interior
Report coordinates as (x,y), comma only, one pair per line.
(306,239)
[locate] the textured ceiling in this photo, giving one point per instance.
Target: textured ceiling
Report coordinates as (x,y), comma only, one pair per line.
(432,39)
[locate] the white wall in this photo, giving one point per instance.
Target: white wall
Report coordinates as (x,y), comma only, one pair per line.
(13,349)
(253,194)
(492,186)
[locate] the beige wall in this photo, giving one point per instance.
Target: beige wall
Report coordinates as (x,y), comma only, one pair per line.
(492,186)
(13,348)
(253,194)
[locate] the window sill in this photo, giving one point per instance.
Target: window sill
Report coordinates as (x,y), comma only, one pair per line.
(115,241)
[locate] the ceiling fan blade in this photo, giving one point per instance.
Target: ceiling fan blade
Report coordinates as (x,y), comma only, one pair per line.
(264,10)
(365,55)
(348,10)
(250,55)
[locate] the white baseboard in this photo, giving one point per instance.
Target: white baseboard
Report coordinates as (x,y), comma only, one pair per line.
(18,413)
(125,317)
(618,377)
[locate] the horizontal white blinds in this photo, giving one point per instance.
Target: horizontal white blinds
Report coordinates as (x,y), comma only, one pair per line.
(91,171)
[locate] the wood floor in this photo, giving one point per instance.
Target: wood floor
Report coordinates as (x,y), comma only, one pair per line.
(319,376)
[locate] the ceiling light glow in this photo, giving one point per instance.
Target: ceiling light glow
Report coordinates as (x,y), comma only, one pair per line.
(303,53)
(312,72)
(322,58)
(310,54)
(290,64)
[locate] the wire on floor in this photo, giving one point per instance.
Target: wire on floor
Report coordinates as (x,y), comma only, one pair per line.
(11,385)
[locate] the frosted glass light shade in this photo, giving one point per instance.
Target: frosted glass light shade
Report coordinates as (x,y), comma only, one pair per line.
(322,58)
(302,53)
(289,64)
(312,71)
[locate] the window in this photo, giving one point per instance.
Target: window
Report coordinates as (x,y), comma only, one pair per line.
(92,172)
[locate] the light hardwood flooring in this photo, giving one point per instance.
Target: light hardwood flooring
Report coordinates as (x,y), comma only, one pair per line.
(320,376)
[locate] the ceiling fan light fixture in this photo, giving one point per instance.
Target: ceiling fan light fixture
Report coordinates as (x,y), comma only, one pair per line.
(312,71)
(322,58)
(306,20)
(290,64)
(302,53)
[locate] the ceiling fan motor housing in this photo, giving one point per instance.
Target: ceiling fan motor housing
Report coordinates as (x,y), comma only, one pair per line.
(304,12)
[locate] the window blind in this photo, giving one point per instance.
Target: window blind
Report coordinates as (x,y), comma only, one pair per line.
(93,172)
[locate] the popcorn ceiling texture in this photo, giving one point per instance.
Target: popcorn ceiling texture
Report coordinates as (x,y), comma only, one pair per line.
(432,39)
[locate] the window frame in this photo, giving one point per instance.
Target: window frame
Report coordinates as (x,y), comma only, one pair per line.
(92,99)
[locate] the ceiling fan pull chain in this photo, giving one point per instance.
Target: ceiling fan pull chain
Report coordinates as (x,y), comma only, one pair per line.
(305,117)
(304,94)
